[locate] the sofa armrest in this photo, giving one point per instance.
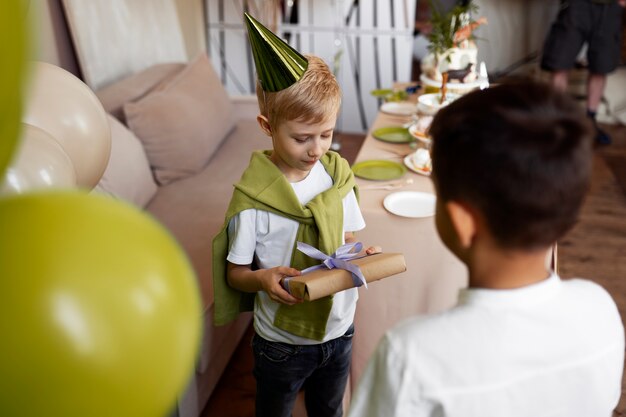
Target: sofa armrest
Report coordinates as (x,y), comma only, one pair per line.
(245,107)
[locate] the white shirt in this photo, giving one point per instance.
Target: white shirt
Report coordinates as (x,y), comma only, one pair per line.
(555,348)
(269,239)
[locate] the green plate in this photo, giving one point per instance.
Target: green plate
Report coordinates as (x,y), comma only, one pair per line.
(397,134)
(384,92)
(378,169)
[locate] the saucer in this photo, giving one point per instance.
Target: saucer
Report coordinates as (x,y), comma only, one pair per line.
(419,135)
(408,161)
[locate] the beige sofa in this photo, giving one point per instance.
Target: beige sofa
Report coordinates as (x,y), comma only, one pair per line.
(179,143)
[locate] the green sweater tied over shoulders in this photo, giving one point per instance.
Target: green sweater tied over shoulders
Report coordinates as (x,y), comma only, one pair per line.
(264,187)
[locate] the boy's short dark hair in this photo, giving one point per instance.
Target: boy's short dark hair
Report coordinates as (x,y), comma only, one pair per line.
(518,153)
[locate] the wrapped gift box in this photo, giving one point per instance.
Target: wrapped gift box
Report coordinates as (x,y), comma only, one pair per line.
(322,282)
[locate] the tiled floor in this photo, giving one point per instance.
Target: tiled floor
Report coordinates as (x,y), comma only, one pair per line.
(595,249)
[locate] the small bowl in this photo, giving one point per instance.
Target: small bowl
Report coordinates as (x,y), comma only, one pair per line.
(428,104)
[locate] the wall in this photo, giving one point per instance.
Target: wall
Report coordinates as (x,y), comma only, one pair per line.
(515,33)
(371,52)
(191,17)
(515,30)
(52,41)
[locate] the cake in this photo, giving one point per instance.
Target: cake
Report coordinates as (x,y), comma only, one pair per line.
(453,50)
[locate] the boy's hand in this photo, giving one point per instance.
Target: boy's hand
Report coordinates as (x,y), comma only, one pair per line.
(373,250)
(270,281)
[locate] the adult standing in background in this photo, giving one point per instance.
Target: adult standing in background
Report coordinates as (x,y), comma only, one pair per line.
(597,23)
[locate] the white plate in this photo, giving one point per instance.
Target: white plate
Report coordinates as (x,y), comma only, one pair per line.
(410,204)
(408,161)
(399,108)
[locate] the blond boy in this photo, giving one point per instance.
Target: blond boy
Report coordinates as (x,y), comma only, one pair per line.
(298,191)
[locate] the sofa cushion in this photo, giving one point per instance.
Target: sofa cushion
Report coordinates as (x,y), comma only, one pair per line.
(194,208)
(182,122)
(132,88)
(127,175)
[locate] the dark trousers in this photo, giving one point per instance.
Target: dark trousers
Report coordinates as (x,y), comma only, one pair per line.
(282,370)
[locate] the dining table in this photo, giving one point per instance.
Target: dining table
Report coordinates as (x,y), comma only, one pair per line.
(433,274)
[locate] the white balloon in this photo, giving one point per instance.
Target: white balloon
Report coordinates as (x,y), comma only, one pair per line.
(39,162)
(70,112)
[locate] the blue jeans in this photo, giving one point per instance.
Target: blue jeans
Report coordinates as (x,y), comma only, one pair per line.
(282,370)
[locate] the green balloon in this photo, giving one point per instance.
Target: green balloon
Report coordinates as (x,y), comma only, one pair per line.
(101,314)
(12,74)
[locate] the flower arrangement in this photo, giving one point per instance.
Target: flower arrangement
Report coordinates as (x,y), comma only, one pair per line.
(451,28)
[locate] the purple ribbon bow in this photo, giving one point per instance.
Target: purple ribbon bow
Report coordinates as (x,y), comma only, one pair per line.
(339,260)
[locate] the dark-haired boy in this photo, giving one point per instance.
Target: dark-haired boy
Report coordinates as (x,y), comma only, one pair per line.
(511,167)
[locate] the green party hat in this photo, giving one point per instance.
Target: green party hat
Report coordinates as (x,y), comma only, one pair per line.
(278,65)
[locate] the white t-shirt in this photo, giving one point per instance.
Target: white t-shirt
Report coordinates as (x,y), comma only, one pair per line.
(555,348)
(269,239)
